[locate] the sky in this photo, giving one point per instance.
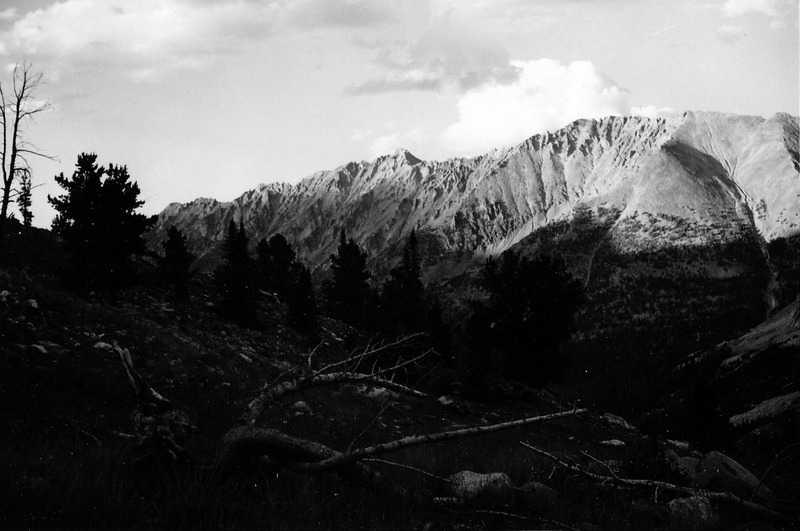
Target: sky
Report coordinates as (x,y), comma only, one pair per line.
(210,98)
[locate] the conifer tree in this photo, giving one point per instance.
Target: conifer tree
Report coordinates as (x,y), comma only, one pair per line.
(349,291)
(235,277)
(276,263)
(301,301)
(97,220)
(177,261)
(403,297)
(532,305)
(24,197)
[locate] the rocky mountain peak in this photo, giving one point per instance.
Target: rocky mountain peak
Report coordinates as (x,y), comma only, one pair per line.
(708,168)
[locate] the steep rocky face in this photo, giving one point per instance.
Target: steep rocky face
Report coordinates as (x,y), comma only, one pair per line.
(724,173)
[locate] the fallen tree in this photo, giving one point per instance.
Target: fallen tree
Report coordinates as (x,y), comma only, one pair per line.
(249,442)
(614,479)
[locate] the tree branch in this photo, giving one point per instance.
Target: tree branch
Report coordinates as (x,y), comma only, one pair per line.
(711,495)
(419,440)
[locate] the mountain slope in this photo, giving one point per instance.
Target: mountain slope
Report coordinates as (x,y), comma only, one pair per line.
(714,169)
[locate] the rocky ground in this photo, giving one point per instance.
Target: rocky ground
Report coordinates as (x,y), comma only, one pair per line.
(80,451)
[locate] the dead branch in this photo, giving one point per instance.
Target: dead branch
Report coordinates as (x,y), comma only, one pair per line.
(408,467)
(724,497)
(319,378)
(141,390)
(429,438)
(257,406)
(353,360)
(248,442)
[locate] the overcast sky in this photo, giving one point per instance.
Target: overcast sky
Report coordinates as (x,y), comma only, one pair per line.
(209,98)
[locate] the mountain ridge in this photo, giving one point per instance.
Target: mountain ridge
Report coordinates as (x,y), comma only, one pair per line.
(692,166)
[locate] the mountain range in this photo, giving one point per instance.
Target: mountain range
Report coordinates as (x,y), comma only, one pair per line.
(723,173)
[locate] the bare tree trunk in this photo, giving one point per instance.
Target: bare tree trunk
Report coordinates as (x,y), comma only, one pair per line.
(14,149)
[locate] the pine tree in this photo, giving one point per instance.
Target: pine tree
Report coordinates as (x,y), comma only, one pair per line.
(532,304)
(349,291)
(276,260)
(301,302)
(24,198)
(177,261)
(403,297)
(97,220)
(235,277)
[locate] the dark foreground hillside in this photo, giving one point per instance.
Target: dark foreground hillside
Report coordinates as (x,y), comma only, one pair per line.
(81,449)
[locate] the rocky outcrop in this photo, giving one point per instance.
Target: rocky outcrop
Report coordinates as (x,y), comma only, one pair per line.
(720,171)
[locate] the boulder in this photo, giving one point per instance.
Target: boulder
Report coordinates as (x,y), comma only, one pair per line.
(472,485)
(644,515)
(537,495)
(301,408)
(718,472)
(695,512)
(685,466)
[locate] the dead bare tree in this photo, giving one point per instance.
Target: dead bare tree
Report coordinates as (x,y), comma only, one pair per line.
(16,109)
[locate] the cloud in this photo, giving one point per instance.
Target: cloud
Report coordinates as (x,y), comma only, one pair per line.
(737,8)
(730,33)
(143,38)
(340,13)
(448,54)
(651,111)
(547,95)
(774,9)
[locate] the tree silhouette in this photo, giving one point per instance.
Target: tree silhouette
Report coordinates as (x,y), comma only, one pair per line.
(17,107)
(24,197)
(301,302)
(277,263)
(177,261)
(235,277)
(97,219)
(349,290)
(403,298)
(532,304)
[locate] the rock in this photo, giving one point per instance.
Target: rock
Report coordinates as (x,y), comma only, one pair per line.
(685,466)
(39,348)
(718,472)
(537,495)
(692,513)
(301,408)
(468,484)
(102,345)
(616,420)
(377,393)
(445,400)
(616,443)
(4,296)
(31,304)
(648,516)
(683,446)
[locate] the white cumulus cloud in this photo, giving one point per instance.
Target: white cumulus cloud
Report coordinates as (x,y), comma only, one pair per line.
(737,8)
(546,96)
(141,38)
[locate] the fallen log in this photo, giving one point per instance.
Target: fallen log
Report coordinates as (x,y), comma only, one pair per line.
(725,497)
